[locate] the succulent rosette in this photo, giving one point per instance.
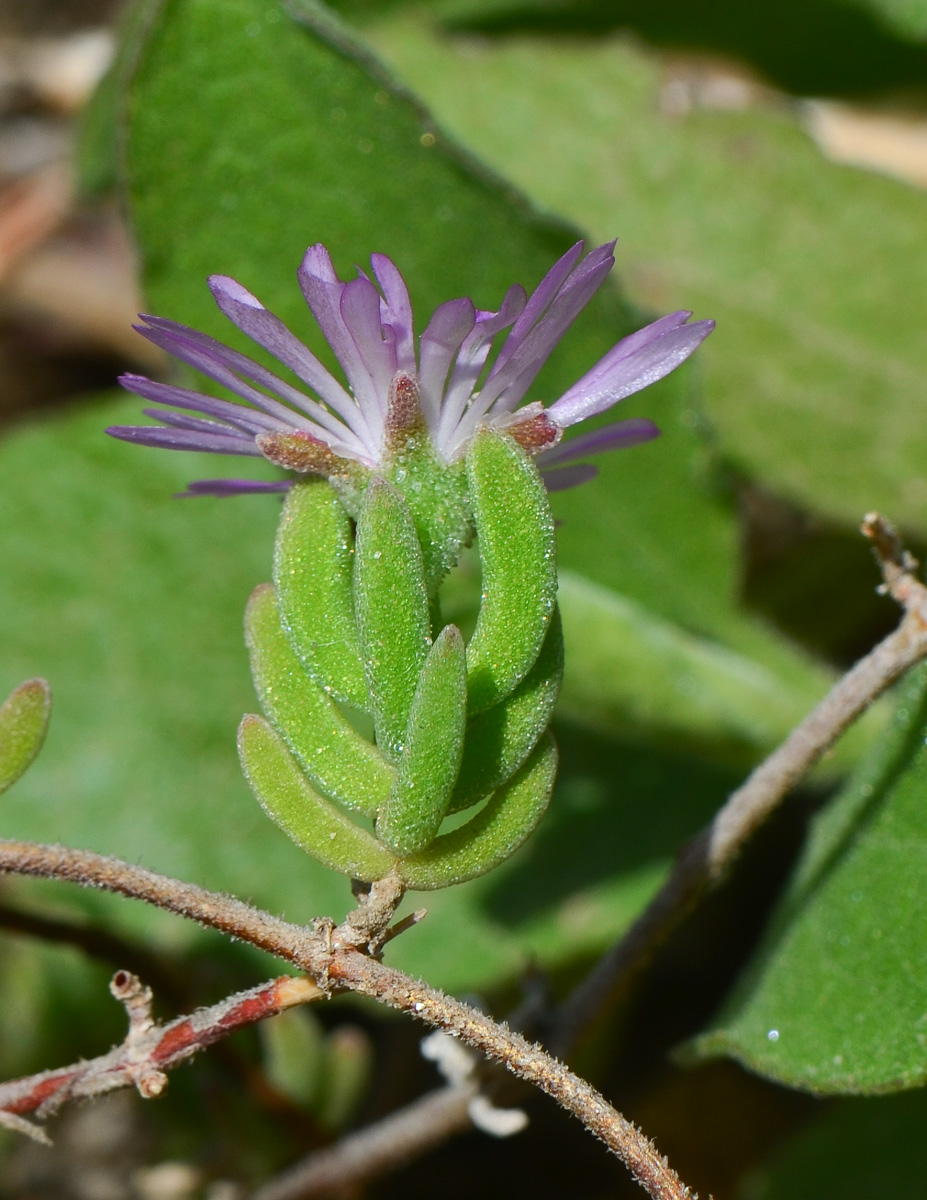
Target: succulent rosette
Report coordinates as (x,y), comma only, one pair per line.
(420,449)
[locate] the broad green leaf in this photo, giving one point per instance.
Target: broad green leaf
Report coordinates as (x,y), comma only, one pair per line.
(313,568)
(834,998)
(518,567)
(808,47)
(334,151)
(907,18)
(629,669)
(856,1150)
(23,722)
(812,271)
(418,802)
(391,605)
(340,762)
(313,822)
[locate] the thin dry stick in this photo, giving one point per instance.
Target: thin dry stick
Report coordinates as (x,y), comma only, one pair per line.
(327,953)
(149,1050)
(705,861)
(391,1143)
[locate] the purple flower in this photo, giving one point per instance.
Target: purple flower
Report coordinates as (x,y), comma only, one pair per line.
(448,388)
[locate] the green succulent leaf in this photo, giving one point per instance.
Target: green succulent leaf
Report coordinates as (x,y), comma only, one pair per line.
(494,834)
(418,802)
(499,740)
(391,604)
(294,1055)
(518,565)
(23,724)
(338,760)
(311,821)
(436,494)
(313,567)
(833,1001)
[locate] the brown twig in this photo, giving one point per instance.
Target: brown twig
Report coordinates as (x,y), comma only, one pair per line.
(327,954)
(384,1146)
(150,1050)
(705,861)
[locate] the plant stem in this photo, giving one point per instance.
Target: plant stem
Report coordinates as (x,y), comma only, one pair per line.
(332,961)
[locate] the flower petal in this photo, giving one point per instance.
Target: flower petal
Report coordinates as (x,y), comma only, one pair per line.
(323,291)
(397,309)
(247,419)
(225,365)
(181,439)
(233,487)
(469,365)
(360,309)
(246,311)
(619,374)
(561,478)
(618,436)
(444,335)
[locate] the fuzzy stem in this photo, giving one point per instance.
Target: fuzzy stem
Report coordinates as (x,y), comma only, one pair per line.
(326,953)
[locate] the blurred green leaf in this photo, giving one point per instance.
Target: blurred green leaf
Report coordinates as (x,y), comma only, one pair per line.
(834,999)
(908,18)
(814,272)
(857,1150)
(808,47)
(634,672)
(294,1055)
(23,722)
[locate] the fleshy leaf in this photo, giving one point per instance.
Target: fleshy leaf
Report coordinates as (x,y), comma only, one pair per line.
(418,802)
(313,565)
(311,821)
(294,1055)
(494,834)
(341,763)
(499,740)
(518,566)
(391,605)
(23,724)
(834,999)
(437,498)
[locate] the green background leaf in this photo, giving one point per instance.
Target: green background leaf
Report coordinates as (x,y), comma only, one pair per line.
(857,1150)
(814,272)
(834,999)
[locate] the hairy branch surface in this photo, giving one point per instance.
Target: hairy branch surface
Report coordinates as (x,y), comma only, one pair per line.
(329,955)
